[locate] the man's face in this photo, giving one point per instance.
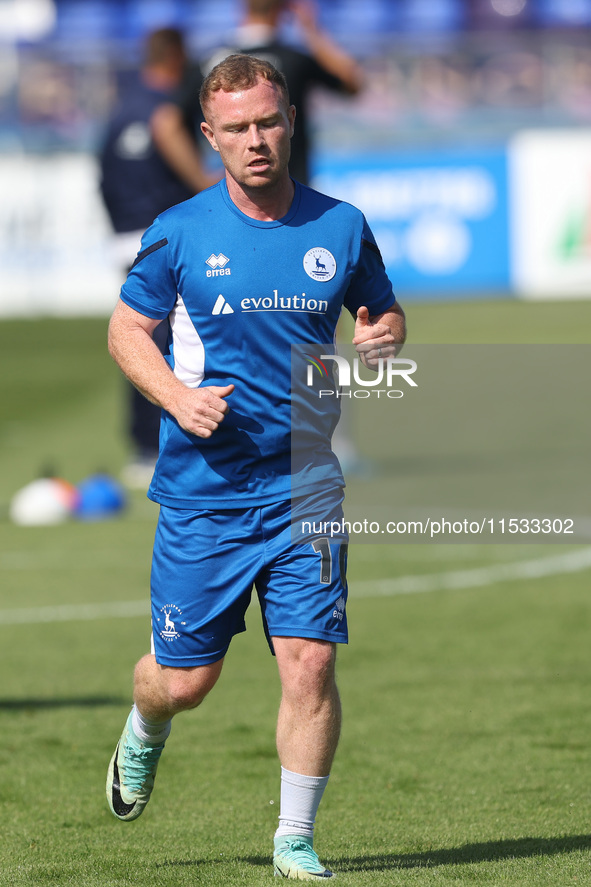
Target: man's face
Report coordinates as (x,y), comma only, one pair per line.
(251,129)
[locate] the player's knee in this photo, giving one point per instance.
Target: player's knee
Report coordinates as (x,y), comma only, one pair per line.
(184,694)
(318,660)
(187,688)
(310,671)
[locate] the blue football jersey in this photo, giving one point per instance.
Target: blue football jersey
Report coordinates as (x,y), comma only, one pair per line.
(238,293)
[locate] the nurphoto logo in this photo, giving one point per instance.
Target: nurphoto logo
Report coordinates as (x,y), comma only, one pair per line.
(390,371)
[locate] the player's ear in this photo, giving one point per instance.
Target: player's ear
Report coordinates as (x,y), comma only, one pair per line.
(291,113)
(208,133)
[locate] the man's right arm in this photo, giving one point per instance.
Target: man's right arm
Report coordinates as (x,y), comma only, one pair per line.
(197,410)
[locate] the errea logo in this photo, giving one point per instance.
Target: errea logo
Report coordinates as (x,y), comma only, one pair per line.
(217,265)
(339,610)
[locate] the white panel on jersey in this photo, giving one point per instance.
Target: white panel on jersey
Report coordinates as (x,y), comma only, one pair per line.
(188,350)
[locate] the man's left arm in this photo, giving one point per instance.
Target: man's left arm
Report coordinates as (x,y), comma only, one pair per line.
(380,335)
(331,57)
(178,148)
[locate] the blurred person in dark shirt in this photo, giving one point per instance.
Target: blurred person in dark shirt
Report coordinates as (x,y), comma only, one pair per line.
(145,169)
(323,64)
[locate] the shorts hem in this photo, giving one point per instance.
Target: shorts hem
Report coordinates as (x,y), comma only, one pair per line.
(190,661)
(309,633)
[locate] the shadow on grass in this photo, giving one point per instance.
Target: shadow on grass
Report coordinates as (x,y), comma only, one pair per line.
(75,702)
(518,848)
(491,851)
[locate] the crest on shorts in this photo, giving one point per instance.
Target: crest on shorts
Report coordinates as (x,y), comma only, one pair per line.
(168,621)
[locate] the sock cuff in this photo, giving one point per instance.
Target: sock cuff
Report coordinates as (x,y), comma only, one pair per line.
(302,781)
(148,732)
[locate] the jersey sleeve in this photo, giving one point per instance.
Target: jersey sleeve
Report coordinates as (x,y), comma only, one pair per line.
(370,285)
(150,287)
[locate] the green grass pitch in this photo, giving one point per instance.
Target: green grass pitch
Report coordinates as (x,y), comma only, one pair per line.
(465,754)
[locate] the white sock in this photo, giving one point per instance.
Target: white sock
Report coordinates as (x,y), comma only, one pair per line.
(300,798)
(148,732)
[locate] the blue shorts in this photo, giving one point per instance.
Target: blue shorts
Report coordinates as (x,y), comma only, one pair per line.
(207,562)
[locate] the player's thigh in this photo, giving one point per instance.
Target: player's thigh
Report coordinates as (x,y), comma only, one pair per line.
(202,576)
(303,589)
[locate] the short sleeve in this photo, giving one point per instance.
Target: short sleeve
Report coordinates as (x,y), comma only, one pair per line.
(150,287)
(370,285)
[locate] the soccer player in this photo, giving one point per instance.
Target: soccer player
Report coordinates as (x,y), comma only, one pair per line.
(241,272)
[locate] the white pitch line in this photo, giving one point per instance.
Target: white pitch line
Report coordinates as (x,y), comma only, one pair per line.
(571,562)
(57,559)
(74,612)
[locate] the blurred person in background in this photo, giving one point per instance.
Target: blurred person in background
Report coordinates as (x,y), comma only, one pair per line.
(324,64)
(147,167)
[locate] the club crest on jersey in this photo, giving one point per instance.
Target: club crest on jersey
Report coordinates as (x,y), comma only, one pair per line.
(320,264)
(217,265)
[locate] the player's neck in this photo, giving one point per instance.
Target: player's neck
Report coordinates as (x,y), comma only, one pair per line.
(264,205)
